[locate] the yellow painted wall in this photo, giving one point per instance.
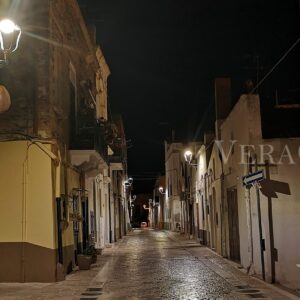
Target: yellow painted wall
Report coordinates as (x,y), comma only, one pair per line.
(41,199)
(73,182)
(26,181)
(12,156)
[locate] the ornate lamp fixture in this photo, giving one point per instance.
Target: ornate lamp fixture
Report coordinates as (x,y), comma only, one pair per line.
(10,35)
(188,157)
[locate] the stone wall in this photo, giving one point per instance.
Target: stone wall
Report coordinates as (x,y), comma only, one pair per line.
(26,76)
(55,46)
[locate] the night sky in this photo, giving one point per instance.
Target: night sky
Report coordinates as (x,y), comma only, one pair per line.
(165,54)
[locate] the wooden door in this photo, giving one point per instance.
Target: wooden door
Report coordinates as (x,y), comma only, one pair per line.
(233,224)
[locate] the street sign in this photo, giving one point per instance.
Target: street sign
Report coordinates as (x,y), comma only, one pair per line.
(270,188)
(253,178)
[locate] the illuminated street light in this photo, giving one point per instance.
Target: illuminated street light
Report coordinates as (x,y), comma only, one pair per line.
(10,34)
(8,26)
(161,190)
(188,156)
(9,40)
(128,182)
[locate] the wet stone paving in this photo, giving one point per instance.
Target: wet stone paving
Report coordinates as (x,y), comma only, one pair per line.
(151,264)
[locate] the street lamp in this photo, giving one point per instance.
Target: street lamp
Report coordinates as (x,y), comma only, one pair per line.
(188,157)
(9,40)
(10,34)
(161,190)
(128,182)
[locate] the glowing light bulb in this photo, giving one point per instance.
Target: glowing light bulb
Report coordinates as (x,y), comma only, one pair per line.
(188,155)
(7,26)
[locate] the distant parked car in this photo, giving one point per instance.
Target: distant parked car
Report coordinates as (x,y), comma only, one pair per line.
(143,224)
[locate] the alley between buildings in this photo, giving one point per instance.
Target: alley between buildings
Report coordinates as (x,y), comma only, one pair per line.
(152,264)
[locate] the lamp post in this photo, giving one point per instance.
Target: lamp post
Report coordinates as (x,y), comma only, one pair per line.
(188,156)
(10,35)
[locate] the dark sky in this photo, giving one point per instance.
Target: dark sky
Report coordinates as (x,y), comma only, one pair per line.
(165,54)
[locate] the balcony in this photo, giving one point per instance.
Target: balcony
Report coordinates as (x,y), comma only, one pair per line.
(90,138)
(88,148)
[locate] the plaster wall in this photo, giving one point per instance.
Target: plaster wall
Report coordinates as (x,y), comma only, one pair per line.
(243,124)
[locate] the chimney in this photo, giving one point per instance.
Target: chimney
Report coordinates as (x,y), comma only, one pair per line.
(222,102)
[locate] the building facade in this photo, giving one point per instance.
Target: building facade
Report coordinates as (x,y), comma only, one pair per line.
(118,173)
(55,177)
(174,209)
(180,189)
(158,203)
(254,225)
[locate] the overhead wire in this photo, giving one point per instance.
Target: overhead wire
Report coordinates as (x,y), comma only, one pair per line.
(276,65)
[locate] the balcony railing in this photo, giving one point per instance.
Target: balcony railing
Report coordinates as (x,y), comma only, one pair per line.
(90,138)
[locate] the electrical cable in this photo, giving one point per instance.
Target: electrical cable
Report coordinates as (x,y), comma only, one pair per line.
(276,65)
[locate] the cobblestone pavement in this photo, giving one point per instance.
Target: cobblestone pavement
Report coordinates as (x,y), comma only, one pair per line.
(149,264)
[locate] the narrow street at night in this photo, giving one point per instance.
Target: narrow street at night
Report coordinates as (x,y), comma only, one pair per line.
(149,149)
(152,264)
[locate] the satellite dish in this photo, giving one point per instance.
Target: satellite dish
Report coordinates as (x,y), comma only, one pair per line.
(4,99)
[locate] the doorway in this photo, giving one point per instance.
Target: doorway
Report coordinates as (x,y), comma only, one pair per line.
(85,223)
(233,225)
(212,213)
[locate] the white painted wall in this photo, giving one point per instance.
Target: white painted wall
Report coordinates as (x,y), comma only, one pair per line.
(243,124)
(173,211)
(215,194)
